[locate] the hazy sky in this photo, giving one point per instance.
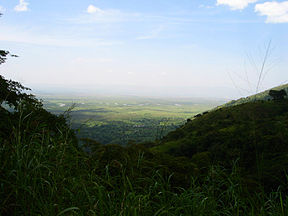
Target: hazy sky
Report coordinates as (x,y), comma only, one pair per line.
(149,43)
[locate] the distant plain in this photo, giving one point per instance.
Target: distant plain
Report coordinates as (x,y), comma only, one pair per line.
(123,119)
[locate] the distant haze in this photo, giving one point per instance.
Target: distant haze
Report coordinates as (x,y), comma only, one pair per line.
(211,48)
(118,90)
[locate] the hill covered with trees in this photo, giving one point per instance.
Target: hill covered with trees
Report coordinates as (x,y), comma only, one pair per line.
(255,134)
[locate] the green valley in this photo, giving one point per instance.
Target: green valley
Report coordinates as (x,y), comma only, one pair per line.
(123,119)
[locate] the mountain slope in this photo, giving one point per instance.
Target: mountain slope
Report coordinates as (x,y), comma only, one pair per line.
(255,134)
(260,96)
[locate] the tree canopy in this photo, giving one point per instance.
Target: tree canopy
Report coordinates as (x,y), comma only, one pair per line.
(12,92)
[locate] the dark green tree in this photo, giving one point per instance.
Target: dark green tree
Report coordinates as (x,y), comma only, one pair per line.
(277,95)
(12,92)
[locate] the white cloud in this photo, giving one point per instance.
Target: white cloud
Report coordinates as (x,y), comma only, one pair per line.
(276,12)
(98,15)
(92,9)
(236,4)
(22,6)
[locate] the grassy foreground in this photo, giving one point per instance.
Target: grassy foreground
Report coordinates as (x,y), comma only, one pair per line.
(44,174)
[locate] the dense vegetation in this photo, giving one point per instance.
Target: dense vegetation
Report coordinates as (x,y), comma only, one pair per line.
(217,164)
(255,134)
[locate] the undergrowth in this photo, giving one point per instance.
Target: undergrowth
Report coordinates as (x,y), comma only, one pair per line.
(45,174)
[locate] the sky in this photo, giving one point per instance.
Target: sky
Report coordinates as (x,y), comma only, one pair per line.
(153,46)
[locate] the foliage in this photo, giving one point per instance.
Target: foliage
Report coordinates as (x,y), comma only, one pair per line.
(255,133)
(3,55)
(46,175)
(277,95)
(13,93)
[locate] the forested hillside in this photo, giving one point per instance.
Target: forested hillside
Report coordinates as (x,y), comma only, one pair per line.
(255,134)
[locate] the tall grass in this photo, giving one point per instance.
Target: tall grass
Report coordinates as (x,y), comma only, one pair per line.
(44,174)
